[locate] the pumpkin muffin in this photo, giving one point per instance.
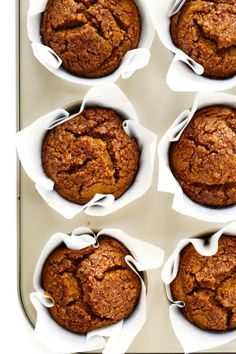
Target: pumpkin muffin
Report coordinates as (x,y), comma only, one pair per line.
(206,31)
(91,288)
(91,36)
(207,286)
(203,160)
(90,154)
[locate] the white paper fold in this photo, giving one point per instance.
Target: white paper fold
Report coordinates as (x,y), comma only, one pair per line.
(29,145)
(192,338)
(114,339)
(179,77)
(132,61)
(166,180)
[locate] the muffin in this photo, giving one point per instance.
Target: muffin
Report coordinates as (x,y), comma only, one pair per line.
(91,37)
(89,154)
(204,158)
(207,286)
(205,30)
(91,288)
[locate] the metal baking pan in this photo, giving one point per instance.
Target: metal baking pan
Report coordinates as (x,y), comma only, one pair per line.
(149,218)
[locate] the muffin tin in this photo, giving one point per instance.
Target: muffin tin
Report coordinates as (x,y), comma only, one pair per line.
(149,218)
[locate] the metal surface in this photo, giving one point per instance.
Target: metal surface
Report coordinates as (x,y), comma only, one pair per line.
(149,218)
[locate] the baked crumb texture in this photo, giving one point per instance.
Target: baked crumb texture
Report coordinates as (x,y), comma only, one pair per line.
(206,31)
(204,158)
(91,288)
(89,154)
(207,285)
(91,36)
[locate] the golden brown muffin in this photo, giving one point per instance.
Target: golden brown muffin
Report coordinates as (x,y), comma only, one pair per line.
(91,36)
(206,31)
(207,286)
(204,158)
(91,288)
(89,154)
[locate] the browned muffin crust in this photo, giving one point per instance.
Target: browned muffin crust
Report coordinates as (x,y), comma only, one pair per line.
(91,36)
(207,286)
(204,158)
(91,288)
(89,154)
(206,31)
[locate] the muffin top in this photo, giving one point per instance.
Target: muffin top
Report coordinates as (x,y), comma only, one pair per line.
(89,154)
(203,160)
(91,36)
(206,31)
(91,288)
(207,286)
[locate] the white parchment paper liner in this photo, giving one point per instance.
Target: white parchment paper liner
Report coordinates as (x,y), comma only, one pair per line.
(192,338)
(182,77)
(115,338)
(133,60)
(29,145)
(168,183)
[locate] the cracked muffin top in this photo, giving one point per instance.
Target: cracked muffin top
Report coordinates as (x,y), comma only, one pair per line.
(91,36)
(204,158)
(89,154)
(91,288)
(206,31)
(207,286)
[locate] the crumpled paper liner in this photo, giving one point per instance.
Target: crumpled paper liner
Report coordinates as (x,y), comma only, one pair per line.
(133,60)
(192,338)
(168,183)
(29,145)
(114,339)
(180,77)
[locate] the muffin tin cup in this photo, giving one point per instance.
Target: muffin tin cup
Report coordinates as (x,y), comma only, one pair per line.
(29,146)
(115,338)
(192,338)
(133,60)
(184,73)
(169,184)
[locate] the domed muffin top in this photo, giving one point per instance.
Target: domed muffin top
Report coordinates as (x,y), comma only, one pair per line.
(91,288)
(89,154)
(91,36)
(203,160)
(206,31)
(207,286)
